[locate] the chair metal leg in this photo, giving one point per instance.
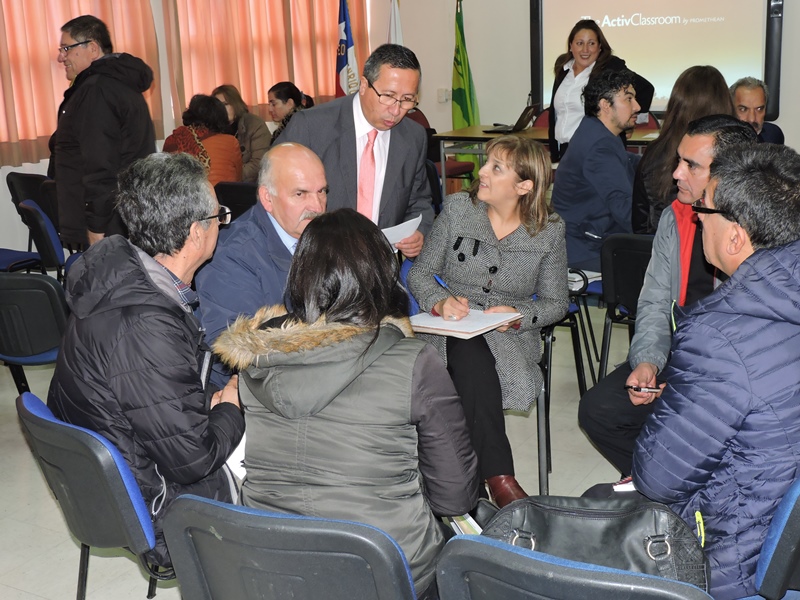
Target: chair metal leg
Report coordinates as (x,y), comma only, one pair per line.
(541,422)
(18,373)
(586,345)
(606,348)
(591,328)
(576,351)
(83,572)
(546,365)
(151,588)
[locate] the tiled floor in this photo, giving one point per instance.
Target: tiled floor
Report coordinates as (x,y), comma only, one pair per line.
(39,558)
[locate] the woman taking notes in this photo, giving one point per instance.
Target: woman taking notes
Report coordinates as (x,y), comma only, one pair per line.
(588,54)
(495,248)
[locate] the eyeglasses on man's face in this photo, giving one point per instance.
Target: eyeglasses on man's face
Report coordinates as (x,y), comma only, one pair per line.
(699,206)
(65,49)
(224,215)
(389,100)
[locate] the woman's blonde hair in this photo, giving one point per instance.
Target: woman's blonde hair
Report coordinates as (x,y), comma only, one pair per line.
(529,160)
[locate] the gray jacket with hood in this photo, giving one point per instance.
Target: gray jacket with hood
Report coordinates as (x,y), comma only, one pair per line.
(344,424)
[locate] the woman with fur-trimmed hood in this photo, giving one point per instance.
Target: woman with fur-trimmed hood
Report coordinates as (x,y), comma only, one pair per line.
(348,415)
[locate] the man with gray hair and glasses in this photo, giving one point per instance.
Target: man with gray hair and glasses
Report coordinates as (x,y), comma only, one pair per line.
(722,446)
(373,155)
(250,266)
(133,364)
(104,125)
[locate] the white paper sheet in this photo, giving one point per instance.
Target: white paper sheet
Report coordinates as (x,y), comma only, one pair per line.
(402,231)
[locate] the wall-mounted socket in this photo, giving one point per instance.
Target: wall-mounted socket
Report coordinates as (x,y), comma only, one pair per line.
(443,95)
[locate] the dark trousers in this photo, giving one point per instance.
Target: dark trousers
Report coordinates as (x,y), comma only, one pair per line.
(610,420)
(472,368)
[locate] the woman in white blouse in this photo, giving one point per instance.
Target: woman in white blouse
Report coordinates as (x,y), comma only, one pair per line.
(588,54)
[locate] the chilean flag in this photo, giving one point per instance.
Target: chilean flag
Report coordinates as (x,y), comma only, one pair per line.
(346,68)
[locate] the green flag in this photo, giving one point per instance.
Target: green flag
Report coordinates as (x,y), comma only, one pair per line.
(465,104)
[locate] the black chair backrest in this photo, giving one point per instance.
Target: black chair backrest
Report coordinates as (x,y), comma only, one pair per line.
(93,484)
(436,186)
(237,195)
(44,234)
(24,186)
(237,553)
(624,259)
(48,201)
(33,314)
(480,568)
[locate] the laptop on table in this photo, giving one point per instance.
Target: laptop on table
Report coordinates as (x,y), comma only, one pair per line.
(525,119)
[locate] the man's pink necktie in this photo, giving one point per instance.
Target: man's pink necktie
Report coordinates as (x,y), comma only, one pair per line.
(366,177)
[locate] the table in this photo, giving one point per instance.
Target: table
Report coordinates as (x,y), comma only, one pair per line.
(471,140)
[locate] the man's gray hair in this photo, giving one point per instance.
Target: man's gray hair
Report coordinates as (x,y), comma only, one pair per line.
(750,83)
(160,196)
(758,186)
(265,177)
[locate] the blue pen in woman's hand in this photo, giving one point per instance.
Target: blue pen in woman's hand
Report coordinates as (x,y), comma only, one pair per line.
(441,282)
(458,314)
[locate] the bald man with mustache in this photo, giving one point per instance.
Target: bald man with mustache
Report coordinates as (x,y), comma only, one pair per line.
(253,255)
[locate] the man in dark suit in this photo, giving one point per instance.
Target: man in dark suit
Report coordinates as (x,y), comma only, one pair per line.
(371,126)
(594,180)
(750,97)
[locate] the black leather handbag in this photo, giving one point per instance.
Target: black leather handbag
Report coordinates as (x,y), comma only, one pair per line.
(622,533)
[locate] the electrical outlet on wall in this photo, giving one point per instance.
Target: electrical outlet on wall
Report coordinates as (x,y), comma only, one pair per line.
(443,95)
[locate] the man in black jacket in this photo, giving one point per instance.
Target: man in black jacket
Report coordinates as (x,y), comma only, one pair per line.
(133,365)
(103,126)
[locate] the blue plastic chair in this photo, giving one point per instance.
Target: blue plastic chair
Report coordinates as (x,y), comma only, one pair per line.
(19,260)
(94,486)
(45,237)
(413,305)
(473,567)
(33,317)
(778,569)
(224,551)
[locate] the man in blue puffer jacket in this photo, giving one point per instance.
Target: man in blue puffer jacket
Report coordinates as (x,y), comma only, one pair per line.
(722,446)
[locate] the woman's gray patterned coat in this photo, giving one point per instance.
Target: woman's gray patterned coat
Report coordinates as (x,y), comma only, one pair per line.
(463,249)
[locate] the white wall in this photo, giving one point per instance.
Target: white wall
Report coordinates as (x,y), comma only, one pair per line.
(497,36)
(498,45)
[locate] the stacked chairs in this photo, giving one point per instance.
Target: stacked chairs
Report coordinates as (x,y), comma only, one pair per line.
(33,317)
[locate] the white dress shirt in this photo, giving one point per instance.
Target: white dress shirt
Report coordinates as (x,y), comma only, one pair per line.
(568,102)
(380,150)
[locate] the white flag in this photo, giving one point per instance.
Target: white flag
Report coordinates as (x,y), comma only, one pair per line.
(395,27)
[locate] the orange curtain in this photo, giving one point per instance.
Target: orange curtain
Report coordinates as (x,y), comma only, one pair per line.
(253,44)
(32,82)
